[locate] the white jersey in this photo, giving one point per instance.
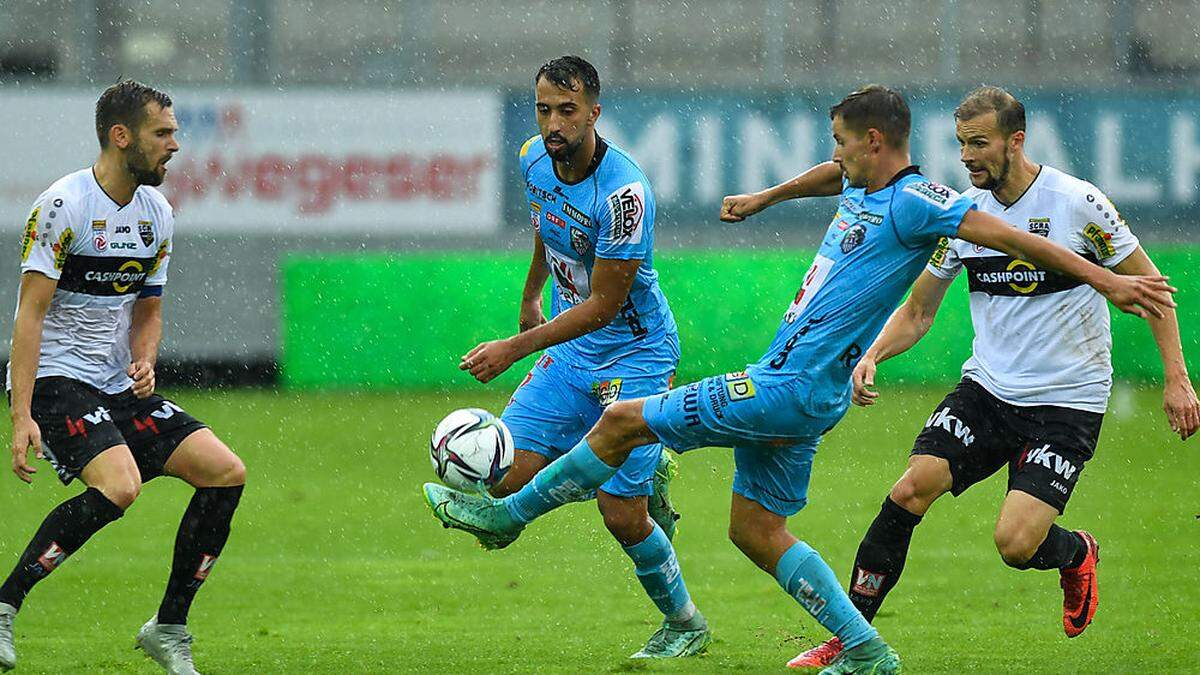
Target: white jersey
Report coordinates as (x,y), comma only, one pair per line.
(1041,338)
(104,257)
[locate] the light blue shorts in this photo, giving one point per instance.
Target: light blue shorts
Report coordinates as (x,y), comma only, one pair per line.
(773,441)
(557,404)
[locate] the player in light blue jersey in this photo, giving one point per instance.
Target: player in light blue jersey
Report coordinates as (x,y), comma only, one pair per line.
(887,224)
(611,336)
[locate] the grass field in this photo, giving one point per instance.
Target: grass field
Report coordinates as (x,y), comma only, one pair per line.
(335,565)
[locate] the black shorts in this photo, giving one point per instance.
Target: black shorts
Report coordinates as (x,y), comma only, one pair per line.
(79,422)
(1045,446)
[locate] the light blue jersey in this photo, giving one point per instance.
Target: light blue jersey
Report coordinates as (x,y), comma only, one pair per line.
(875,248)
(774,414)
(609,214)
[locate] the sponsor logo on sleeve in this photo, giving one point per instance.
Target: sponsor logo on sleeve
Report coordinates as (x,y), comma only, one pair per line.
(31,234)
(1100,239)
(160,256)
(627,205)
(935,193)
(63,248)
(939,252)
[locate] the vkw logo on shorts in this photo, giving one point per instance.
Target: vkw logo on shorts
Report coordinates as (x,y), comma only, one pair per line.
(1051,460)
(942,419)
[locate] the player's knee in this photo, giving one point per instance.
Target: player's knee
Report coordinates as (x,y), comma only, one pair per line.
(627,524)
(918,488)
(1015,545)
(234,472)
(747,537)
(122,491)
(620,429)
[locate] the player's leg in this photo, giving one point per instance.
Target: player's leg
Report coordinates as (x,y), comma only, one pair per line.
(1041,481)
(80,441)
(623,504)
(113,484)
(770,484)
(525,466)
(166,440)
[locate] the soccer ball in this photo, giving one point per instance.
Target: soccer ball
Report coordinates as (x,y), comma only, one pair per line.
(469,447)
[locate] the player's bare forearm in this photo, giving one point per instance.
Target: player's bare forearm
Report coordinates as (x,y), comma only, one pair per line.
(912,320)
(535,279)
(145,330)
(36,292)
(590,315)
(823,180)
(1143,296)
(1166,328)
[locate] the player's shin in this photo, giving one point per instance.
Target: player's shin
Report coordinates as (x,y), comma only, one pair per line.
(805,576)
(881,556)
(1061,548)
(657,569)
(63,532)
(202,534)
(570,478)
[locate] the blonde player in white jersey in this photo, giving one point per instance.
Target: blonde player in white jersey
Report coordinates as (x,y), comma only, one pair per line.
(1036,386)
(94,263)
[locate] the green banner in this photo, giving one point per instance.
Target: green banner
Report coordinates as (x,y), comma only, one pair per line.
(397,321)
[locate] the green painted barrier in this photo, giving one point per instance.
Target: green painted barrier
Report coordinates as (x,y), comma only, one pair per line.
(399,321)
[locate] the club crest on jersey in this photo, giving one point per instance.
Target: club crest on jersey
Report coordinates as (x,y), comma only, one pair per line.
(146,232)
(1039,226)
(853,238)
(580,241)
(608,391)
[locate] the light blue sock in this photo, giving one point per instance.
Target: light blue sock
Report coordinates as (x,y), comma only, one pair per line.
(657,569)
(806,577)
(570,478)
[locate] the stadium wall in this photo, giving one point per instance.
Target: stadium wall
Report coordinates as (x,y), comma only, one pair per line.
(404,320)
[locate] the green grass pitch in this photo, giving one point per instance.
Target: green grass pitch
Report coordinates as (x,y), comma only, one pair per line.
(335,565)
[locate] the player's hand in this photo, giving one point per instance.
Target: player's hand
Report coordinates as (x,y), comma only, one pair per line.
(531,316)
(489,359)
(1182,407)
(1139,295)
(26,434)
(143,378)
(736,208)
(864,382)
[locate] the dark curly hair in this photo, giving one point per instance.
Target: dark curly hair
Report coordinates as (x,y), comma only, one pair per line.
(571,72)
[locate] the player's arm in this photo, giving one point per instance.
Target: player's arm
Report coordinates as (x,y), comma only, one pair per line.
(145,334)
(907,325)
(531,315)
(611,281)
(37,290)
(1143,296)
(1179,398)
(823,180)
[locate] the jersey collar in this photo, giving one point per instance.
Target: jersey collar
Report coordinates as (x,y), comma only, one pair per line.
(910,170)
(597,157)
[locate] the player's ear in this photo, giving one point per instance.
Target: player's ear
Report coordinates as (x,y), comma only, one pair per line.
(875,139)
(1016,140)
(120,136)
(595,113)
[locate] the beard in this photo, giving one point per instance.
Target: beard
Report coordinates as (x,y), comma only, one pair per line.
(994,181)
(144,172)
(566,151)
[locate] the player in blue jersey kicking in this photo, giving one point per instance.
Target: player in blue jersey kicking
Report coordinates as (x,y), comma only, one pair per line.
(612,336)
(887,224)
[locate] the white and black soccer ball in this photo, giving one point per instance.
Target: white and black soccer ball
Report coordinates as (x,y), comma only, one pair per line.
(471,446)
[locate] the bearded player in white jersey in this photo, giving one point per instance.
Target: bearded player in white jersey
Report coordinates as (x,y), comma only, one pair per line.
(1035,389)
(81,376)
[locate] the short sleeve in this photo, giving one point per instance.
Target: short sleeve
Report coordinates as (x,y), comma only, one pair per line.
(1101,230)
(523,154)
(944,263)
(625,219)
(162,255)
(50,235)
(923,211)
